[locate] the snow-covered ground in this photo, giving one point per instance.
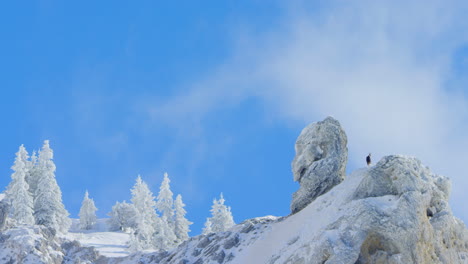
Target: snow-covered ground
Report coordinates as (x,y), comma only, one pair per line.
(110,244)
(299,228)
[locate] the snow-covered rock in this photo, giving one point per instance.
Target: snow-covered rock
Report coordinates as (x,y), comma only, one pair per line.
(40,245)
(320,161)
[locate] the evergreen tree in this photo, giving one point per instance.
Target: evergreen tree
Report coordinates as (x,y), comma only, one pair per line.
(165,237)
(146,218)
(165,201)
(48,207)
(122,217)
(207,229)
(181,224)
(18,190)
(87,213)
(33,175)
(221,218)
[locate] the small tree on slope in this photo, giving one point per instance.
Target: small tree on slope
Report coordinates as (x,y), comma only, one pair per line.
(146,218)
(48,207)
(87,213)
(207,229)
(122,217)
(221,218)
(18,190)
(181,224)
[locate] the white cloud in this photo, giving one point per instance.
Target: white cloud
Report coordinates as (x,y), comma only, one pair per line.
(380,67)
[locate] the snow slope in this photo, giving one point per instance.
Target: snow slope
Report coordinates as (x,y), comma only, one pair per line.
(109,244)
(306,224)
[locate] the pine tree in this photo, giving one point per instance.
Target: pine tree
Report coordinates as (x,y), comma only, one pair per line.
(33,175)
(48,207)
(166,237)
(207,229)
(181,224)
(146,218)
(221,218)
(165,202)
(18,190)
(87,213)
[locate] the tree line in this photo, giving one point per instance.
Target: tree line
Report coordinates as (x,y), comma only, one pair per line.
(158,223)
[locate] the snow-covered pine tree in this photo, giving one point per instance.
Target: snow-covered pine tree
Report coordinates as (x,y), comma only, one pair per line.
(87,213)
(18,190)
(165,201)
(221,218)
(48,207)
(122,217)
(166,237)
(181,224)
(207,229)
(33,175)
(146,218)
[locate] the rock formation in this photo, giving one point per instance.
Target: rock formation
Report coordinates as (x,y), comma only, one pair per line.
(320,161)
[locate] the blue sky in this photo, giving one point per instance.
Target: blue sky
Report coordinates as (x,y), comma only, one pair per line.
(215,93)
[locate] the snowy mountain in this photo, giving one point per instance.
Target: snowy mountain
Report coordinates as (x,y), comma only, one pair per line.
(395,211)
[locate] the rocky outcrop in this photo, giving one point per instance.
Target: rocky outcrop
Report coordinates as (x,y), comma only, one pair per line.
(420,228)
(394,212)
(40,245)
(320,161)
(33,244)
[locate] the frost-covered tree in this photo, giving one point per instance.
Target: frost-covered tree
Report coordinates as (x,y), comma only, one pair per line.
(165,201)
(164,237)
(18,190)
(207,229)
(146,218)
(33,175)
(181,224)
(48,207)
(122,217)
(221,216)
(87,213)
